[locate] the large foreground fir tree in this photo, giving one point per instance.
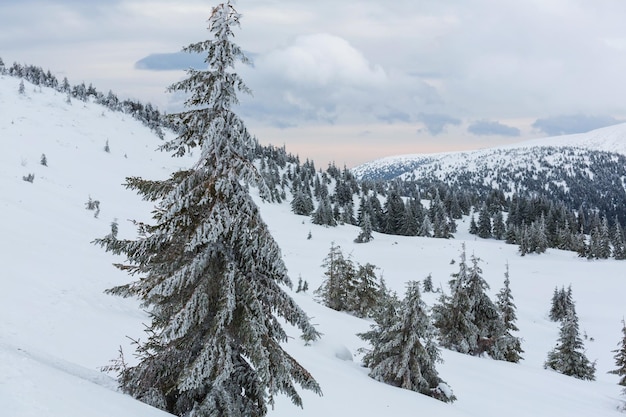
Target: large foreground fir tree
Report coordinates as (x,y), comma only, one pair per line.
(208,269)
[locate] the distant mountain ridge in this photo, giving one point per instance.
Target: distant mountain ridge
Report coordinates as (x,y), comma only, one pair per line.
(577,170)
(610,139)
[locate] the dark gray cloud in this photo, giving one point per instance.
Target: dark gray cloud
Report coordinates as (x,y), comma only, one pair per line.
(170,61)
(486,127)
(573,123)
(436,123)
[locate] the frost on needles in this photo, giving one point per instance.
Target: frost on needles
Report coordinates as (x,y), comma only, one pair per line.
(209,271)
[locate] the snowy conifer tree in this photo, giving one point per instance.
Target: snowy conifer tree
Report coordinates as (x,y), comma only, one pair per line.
(484,312)
(484,222)
(562,302)
(210,271)
(620,359)
(454,316)
(404,352)
(365,235)
(428,283)
(365,298)
(499,228)
(618,241)
(323,215)
(301,203)
(568,356)
(507,345)
(338,287)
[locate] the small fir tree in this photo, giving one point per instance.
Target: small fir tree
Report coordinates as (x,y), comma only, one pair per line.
(21,89)
(404,352)
(473,227)
(365,235)
(484,311)
(366,297)
(568,355)
(453,315)
(428,283)
(618,241)
(499,228)
(562,302)
(301,204)
(338,287)
(323,215)
(484,222)
(620,359)
(508,346)
(43,161)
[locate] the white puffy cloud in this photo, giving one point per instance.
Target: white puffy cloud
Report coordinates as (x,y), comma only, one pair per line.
(320,60)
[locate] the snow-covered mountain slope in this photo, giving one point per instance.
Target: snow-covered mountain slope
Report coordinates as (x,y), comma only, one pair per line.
(57,327)
(607,139)
(610,139)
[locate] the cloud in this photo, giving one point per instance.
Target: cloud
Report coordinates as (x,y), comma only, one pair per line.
(323,78)
(321,60)
(486,127)
(436,123)
(573,123)
(394,116)
(170,61)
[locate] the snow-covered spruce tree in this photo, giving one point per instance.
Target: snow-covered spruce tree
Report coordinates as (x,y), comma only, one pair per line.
(301,203)
(618,241)
(468,321)
(366,296)
(620,359)
(323,215)
(484,222)
(453,316)
(210,272)
(365,235)
(485,314)
(404,352)
(508,346)
(568,356)
(427,283)
(562,302)
(338,288)
(473,227)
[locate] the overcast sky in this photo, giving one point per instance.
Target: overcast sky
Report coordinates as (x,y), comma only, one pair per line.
(354,80)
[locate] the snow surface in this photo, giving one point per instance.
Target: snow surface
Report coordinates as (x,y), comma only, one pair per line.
(57,327)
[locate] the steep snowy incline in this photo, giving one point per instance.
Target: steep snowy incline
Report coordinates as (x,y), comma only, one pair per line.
(57,327)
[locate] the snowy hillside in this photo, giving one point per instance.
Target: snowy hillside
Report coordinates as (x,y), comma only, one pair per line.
(57,327)
(610,139)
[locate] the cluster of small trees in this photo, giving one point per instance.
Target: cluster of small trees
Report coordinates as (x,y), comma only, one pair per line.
(568,355)
(469,322)
(537,224)
(403,346)
(350,287)
(404,339)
